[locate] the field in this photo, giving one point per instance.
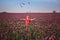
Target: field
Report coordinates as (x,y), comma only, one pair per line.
(45,27)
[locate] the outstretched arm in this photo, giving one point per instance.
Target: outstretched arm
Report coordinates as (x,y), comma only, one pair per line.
(22,19)
(33,19)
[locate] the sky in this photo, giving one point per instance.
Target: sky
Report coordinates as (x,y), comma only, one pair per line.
(18,6)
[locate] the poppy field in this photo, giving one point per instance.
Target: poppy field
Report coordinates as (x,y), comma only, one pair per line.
(45,27)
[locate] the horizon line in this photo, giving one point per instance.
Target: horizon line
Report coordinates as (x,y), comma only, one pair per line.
(31,12)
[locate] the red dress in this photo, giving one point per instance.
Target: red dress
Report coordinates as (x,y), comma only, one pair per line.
(27,21)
